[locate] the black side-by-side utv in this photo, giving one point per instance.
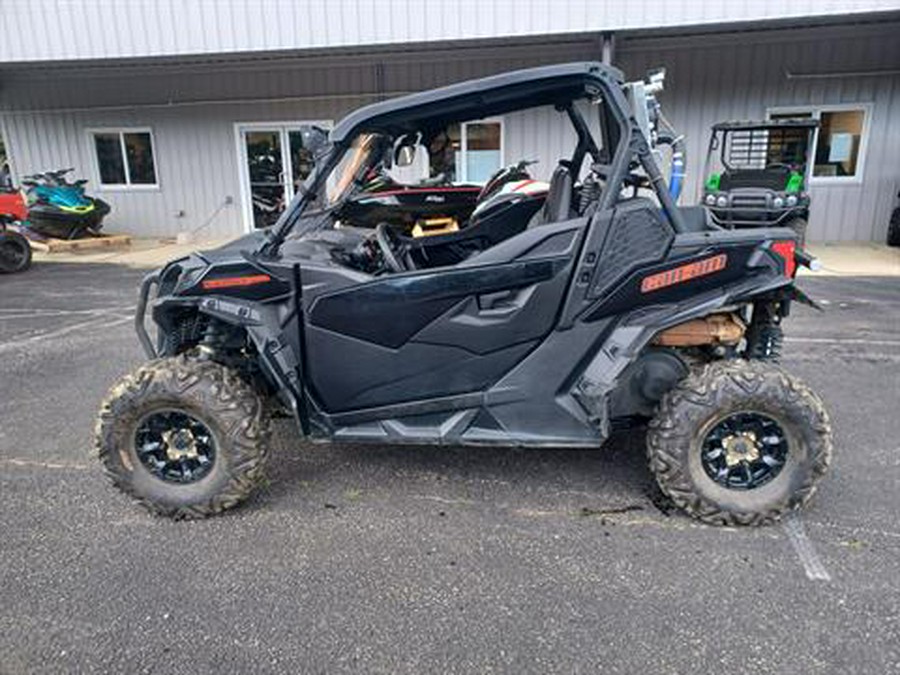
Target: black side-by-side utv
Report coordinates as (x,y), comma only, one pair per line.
(541,323)
(757,173)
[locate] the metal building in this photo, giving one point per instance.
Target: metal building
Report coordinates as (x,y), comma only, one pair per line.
(168,106)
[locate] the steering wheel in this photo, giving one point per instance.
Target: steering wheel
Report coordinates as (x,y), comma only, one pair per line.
(386,239)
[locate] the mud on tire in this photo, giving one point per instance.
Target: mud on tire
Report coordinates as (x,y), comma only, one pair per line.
(208,392)
(714,392)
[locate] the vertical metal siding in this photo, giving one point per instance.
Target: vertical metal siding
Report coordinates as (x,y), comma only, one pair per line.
(104,29)
(713,81)
(710,79)
(195,152)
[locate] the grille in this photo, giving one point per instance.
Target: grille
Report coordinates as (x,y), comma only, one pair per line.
(748,201)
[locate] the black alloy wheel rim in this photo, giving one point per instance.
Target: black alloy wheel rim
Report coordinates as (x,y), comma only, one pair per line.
(13,252)
(744,451)
(175,447)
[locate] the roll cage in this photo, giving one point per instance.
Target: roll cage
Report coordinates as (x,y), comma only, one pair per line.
(753,148)
(625,145)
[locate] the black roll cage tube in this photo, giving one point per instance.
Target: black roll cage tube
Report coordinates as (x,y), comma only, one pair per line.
(586,143)
(631,143)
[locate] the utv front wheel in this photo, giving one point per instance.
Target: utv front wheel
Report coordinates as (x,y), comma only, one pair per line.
(185,438)
(739,443)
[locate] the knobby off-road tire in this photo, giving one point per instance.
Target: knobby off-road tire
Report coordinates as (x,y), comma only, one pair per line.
(228,407)
(707,396)
(15,252)
(799,226)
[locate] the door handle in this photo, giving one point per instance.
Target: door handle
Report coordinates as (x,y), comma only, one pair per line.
(498,300)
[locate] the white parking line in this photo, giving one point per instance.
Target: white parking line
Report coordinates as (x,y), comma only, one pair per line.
(90,323)
(806,551)
(44,465)
(27,313)
(843,341)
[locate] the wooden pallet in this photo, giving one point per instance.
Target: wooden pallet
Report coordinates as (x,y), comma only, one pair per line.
(51,245)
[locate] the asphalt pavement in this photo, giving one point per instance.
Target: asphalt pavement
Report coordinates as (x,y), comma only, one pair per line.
(417,560)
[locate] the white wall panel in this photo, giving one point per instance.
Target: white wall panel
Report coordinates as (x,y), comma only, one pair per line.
(108,29)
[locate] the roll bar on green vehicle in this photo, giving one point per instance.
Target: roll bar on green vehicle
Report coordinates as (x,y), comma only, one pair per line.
(545,318)
(757,173)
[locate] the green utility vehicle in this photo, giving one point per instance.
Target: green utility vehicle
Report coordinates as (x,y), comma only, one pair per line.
(757,173)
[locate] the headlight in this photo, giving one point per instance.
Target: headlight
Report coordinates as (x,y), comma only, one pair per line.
(710,199)
(778,202)
(791,200)
(722,201)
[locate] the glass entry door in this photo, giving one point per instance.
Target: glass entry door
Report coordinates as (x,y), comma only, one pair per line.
(274,162)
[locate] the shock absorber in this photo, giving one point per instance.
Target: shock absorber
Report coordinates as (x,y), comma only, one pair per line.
(589,194)
(765,335)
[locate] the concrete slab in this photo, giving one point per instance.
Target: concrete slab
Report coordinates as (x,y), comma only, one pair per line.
(856,260)
(142,253)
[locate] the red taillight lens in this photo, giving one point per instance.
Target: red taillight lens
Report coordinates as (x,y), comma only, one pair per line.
(233,282)
(785,250)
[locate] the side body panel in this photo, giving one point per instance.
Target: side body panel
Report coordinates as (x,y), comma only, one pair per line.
(439,332)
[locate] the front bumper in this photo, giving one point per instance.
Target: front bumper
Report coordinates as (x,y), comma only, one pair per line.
(140,327)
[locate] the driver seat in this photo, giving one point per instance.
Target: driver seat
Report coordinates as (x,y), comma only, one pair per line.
(558,205)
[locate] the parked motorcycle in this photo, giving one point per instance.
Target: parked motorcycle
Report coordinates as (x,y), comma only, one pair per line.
(59,208)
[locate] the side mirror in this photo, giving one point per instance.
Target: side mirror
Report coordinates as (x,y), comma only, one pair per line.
(314,139)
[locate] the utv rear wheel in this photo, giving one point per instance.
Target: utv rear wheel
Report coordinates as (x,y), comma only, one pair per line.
(185,438)
(739,443)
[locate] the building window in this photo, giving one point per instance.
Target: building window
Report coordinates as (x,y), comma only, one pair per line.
(839,143)
(840,137)
(124,157)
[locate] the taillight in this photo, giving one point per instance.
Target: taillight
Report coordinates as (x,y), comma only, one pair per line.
(786,249)
(233,282)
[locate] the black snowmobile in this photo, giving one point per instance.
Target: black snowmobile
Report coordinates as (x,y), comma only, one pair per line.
(604,306)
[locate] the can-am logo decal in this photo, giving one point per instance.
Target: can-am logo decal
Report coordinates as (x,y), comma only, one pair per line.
(684,273)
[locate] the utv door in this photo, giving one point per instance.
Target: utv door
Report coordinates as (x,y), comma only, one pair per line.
(434,333)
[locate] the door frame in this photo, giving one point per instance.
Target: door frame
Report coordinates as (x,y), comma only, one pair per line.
(282,127)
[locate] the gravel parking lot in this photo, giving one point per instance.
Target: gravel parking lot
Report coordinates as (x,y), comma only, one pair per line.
(386,559)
